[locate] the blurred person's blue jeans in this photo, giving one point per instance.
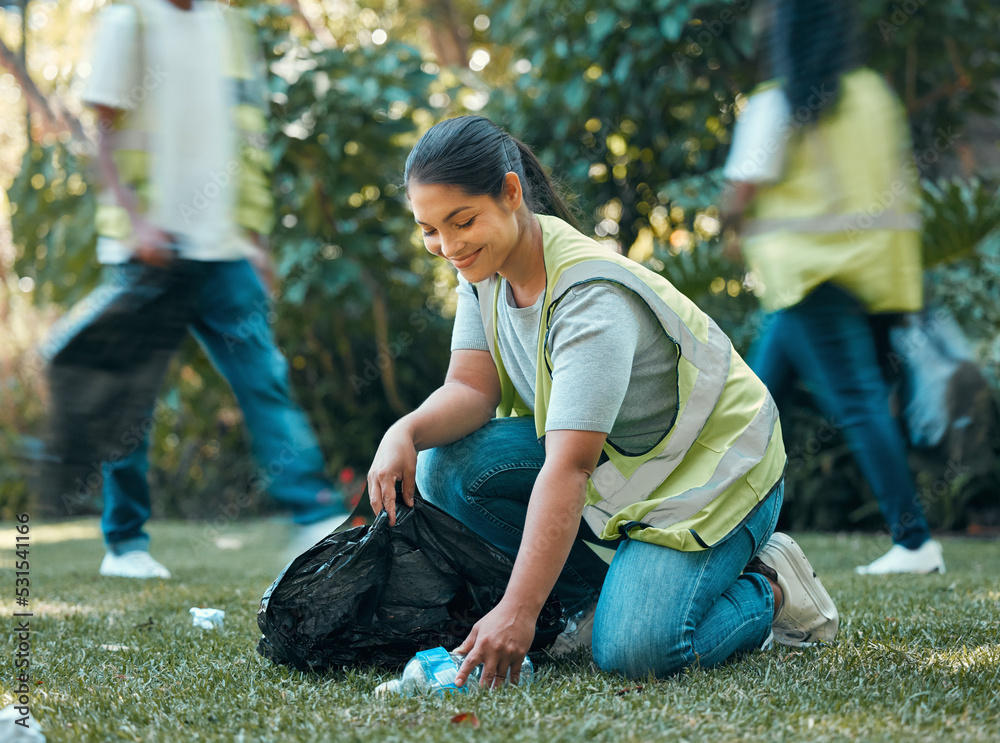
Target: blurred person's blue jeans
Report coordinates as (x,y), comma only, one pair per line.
(827,340)
(230,321)
(659,610)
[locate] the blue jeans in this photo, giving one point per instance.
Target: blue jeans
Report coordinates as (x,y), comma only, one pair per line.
(659,610)
(827,340)
(228,317)
(485,480)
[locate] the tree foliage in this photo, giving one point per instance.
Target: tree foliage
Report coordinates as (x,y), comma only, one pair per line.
(630,104)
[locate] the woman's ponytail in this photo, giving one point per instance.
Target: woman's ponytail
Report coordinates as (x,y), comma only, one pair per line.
(545,197)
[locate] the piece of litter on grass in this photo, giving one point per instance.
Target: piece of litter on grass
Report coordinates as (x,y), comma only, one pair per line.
(207,618)
(145,625)
(623,692)
(229,543)
(116,648)
(466,718)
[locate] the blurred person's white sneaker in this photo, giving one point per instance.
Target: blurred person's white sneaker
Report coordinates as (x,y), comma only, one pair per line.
(807,614)
(927,558)
(133,564)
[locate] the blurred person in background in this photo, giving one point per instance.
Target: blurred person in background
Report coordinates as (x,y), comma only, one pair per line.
(179,91)
(821,192)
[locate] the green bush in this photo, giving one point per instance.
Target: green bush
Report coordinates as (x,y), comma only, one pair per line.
(631,104)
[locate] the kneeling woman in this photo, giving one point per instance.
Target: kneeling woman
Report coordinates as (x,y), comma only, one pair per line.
(588,400)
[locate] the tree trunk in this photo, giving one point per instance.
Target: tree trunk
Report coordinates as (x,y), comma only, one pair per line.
(56,117)
(444,27)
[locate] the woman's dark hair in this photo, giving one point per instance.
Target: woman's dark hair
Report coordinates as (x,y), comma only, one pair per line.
(474,154)
(813,43)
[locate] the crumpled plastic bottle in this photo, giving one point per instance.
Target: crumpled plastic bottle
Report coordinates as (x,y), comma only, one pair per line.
(433,672)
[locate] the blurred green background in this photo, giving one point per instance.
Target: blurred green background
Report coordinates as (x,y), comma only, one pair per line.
(631,104)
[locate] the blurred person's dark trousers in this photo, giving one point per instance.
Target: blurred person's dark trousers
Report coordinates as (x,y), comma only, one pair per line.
(827,340)
(107,360)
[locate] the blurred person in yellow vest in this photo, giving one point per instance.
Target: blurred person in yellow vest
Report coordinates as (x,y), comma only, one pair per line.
(179,90)
(822,194)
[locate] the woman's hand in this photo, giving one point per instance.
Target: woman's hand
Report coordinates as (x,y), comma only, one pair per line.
(395,461)
(499,641)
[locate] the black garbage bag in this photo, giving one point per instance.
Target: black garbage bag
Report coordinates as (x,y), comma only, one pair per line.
(377,595)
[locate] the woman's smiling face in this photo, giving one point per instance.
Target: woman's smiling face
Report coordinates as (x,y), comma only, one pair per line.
(476,234)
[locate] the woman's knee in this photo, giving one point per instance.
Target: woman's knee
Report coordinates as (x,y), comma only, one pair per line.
(640,658)
(434,472)
(638,646)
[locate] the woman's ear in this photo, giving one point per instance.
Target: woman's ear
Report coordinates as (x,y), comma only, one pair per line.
(513,195)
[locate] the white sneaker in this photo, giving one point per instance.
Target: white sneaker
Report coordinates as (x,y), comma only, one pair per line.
(578,633)
(807,615)
(134,564)
(926,558)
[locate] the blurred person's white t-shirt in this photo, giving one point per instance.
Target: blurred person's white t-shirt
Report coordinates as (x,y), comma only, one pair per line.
(757,154)
(172,62)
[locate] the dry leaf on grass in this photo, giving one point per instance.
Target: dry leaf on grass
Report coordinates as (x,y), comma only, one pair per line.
(623,692)
(467,718)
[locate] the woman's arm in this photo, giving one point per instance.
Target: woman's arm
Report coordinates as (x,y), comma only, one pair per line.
(500,639)
(464,403)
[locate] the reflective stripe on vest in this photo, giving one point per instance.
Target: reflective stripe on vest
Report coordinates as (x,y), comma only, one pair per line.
(711,358)
(738,460)
(833,223)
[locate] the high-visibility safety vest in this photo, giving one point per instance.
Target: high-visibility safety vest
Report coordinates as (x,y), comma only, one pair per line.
(845,209)
(722,455)
(133,133)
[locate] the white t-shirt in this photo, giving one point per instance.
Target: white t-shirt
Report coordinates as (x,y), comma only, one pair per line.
(182,90)
(760,138)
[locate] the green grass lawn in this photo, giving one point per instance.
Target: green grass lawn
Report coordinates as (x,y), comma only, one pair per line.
(917,658)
